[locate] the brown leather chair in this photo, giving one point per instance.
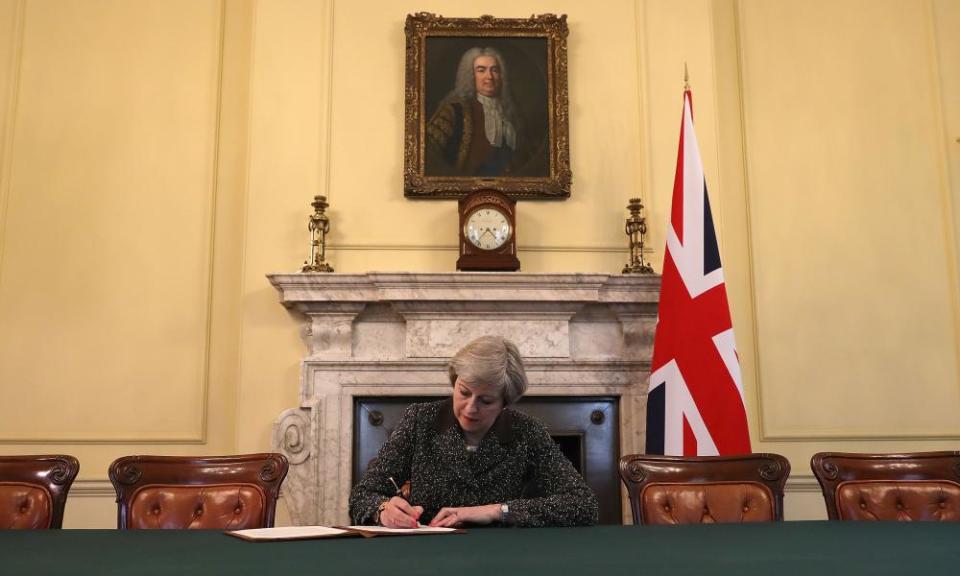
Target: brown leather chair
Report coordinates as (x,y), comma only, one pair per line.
(33,490)
(921,486)
(705,489)
(215,492)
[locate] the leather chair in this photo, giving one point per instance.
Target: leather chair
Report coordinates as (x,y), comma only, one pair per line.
(705,489)
(33,490)
(215,492)
(921,486)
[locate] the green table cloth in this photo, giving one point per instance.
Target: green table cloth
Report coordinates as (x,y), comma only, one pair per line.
(807,548)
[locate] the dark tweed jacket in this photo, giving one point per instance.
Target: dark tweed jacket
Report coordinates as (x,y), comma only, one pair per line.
(517,463)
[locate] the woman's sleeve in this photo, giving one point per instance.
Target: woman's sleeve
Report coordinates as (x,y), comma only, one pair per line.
(393,460)
(559,494)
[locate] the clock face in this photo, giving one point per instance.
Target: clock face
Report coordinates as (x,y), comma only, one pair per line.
(487,229)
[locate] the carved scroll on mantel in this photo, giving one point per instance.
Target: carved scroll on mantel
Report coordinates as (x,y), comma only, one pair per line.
(293,435)
(390,334)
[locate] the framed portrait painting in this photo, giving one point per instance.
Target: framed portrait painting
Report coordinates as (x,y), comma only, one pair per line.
(486,107)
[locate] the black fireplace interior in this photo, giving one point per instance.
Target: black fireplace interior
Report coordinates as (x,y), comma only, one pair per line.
(586,428)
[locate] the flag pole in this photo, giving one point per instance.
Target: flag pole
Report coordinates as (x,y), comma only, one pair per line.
(695,399)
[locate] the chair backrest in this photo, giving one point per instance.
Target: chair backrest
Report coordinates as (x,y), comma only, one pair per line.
(33,490)
(912,486)
(203,492)
(705,489)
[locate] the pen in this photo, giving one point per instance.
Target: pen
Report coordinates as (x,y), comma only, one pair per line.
(399,492)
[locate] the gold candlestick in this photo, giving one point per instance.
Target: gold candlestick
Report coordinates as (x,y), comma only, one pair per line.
(319,225)
(636,229)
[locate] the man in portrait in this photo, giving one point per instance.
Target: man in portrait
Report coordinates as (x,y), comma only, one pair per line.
(476,129)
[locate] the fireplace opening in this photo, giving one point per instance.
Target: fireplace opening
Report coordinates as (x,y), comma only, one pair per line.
(586,429)
(571,445)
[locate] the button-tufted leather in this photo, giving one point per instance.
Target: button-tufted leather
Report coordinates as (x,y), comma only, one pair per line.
(24,506)
(911,486)
(699,503)
(705,489)
(221,506)
(211,492)
(904,500)
(33,490)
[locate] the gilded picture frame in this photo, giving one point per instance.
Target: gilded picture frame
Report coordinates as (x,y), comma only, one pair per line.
(486,107)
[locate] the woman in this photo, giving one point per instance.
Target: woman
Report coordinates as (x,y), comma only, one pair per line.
(471,459)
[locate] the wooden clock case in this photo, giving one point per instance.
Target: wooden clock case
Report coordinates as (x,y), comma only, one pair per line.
(474,258)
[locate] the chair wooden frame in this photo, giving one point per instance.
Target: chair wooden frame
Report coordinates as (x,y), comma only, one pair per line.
(640,470)
(834,468)
(266,471)
(53,473)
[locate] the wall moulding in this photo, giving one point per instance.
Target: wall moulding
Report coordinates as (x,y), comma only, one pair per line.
(883,346)
(193,387)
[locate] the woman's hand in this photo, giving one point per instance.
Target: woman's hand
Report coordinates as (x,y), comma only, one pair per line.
(398,513)
(473,515)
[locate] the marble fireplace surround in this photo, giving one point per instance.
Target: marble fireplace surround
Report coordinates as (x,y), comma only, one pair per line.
(390,334)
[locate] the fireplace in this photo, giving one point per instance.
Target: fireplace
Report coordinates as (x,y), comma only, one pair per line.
(377,341)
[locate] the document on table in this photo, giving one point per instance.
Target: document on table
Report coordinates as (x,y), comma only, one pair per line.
(371,531)
(313,532)
(289,533)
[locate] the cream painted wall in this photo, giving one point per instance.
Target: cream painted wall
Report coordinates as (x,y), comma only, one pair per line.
(871,234)
(124,144)
(159,158)
(842,265)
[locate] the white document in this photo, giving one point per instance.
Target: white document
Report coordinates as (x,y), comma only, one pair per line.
(383,530)
(289,533)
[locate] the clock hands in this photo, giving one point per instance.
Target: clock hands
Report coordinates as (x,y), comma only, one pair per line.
(498,234)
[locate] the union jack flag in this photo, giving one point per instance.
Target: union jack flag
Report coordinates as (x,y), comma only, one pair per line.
(695,403)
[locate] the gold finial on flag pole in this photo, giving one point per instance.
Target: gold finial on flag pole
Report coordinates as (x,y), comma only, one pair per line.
(686,77)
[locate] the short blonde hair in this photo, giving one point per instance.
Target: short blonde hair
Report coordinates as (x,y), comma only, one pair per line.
(492,361)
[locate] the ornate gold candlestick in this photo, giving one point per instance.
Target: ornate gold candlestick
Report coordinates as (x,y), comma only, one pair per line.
(636,229)
(319,226)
